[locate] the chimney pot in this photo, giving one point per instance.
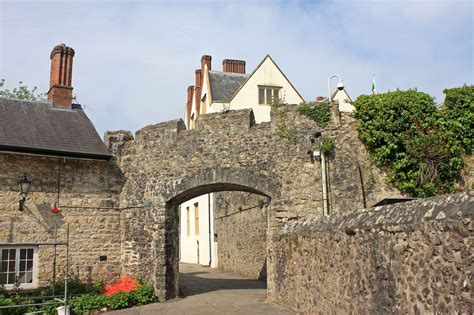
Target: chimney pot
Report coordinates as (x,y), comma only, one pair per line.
(206,60)
(235,66)
(60,82)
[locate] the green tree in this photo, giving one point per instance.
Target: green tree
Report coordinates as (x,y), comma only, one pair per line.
(22,92)
(419,145)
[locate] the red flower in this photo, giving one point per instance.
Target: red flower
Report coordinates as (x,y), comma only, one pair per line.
(125,284)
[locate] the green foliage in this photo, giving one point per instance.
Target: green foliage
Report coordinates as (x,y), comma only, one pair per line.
(84,303)
(118,300)
(457,118)
(22,92)
(89,299)
(420,145)
(327,145)
(14,300)
(74,287)
(143,294)
(320,113)
(282,128)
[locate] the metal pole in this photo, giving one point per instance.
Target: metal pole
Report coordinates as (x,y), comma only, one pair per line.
(329,86)
(55,252)
(324,184)
(67,268)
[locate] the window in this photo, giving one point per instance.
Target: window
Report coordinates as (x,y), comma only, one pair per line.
(268,95)
(192,121)
(196,218)
(18,266)
(188,232)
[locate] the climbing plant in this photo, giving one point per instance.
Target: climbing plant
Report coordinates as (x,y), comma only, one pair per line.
(282,127)
(320,113)
(327,145)
(420,146)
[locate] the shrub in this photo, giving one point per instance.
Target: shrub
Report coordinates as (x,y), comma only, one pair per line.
(419,145)
(118,300)
(143,294)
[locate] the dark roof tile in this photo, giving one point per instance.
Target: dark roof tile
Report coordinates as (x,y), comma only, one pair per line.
(225,84)
(35,127)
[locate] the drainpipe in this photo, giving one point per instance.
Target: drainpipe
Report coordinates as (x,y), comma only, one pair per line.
(324,184)
(209,222)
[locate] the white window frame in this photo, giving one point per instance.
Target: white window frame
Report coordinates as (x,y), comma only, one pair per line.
(34,283)
(265,88)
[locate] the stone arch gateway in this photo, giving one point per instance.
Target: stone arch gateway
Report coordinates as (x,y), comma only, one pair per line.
(165,164)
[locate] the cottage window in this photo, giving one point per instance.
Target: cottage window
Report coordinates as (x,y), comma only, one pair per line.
(188,232)
(268,95)
(196,218)
(18,266)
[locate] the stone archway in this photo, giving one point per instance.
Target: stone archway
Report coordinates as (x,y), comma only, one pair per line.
(165,164)
(152,231)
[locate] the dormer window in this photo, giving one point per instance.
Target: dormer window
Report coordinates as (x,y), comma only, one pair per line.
(268,95)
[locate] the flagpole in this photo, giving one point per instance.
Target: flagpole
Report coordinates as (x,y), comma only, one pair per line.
(373,85)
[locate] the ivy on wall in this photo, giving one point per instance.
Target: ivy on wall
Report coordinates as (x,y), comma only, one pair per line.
(320,113)
(421,146)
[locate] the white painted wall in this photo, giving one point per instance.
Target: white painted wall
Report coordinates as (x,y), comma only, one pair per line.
(190,251)
(345,104)
(267,74)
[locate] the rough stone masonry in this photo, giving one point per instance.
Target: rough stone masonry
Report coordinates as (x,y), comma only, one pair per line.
(165,165)
(408,258)
(126,208)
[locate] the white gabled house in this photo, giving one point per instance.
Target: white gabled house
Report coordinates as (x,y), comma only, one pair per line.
(216,91)
(345,101)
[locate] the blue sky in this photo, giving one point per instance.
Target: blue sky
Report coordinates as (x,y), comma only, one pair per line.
(135,59)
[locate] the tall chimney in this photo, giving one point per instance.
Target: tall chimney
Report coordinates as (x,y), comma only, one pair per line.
(198,90)
(206,59)
(189,104)
(60,88)
(235,66)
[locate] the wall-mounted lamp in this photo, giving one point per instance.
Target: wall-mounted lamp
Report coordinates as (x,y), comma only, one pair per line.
(24,184)
(316,152)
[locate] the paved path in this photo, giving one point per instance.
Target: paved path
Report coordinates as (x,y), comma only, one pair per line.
(210,291)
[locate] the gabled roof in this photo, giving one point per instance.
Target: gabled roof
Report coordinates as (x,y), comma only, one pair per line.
(42,128)
(337,90)
(224,85)
(255,70)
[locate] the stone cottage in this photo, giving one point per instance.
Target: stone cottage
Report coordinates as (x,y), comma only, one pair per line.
(54,146)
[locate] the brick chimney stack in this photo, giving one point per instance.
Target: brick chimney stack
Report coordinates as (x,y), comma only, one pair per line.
(198,89)
(235,66)
(189,104)
(60,88)
(206,59)
(319,99)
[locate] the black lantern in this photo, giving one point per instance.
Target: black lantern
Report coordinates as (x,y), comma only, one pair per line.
(24,189)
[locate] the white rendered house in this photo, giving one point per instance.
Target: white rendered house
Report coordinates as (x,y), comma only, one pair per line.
(216,91)
(345,101)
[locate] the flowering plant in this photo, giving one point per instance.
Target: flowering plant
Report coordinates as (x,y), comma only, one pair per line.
(125,284)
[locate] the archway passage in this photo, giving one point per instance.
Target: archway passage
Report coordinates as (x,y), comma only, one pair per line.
(198,218)
(165,165)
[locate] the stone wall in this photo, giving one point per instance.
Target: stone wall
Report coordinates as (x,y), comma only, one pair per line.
(87,192)
(240,223)
(408,258)
(165,165)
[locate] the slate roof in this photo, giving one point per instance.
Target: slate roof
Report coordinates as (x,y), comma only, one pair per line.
(42,128)
(225,84)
